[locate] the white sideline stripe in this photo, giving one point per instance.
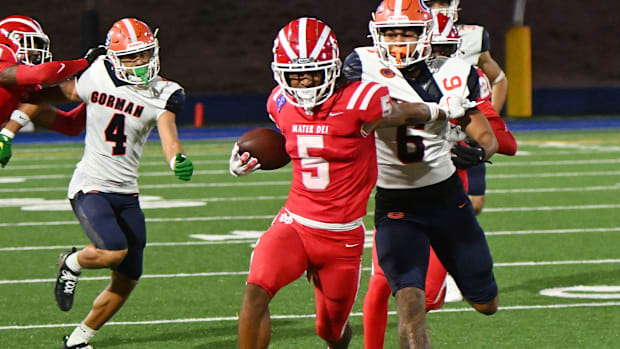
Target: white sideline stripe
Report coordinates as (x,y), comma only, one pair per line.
(557,162)
(370,214)
(368,233)
(554,174)
(552,190)
(236,273)
(307,316)
(159,186)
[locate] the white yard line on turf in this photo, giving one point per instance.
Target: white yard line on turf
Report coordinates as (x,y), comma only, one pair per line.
(309,316)
(237,273)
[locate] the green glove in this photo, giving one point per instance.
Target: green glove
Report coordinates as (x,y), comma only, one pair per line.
(5,149)
(183,167)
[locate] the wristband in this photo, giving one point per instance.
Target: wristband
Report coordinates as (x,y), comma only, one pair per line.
(499,77)
(433,109)
(172,162)
(20,117)
(8,133)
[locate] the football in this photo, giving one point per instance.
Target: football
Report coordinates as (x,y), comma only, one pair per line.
(267,145)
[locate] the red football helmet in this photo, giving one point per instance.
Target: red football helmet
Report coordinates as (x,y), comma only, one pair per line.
(26,38)
(306,44)
(402,14)
(130,36)
(452,10)
(446,38)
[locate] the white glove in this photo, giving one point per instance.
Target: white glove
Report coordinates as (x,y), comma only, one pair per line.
(241,165)
(455,107)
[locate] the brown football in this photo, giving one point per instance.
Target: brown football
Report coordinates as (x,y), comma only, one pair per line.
(267,145)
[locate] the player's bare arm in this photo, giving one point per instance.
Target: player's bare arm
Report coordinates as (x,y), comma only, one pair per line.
(168,135)
(406,114)
(497,78)
(477,126)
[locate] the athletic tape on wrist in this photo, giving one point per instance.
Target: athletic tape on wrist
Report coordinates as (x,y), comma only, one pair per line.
(499,78)
(433,109)
(8,133)
(20,117)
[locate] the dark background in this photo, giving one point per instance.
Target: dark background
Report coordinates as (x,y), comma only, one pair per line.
(224,46)
(220,50)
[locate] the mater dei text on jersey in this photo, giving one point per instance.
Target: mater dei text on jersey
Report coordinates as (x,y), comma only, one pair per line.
(313,129)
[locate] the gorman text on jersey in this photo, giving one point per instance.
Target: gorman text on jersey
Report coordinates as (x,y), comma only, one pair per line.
(110,101)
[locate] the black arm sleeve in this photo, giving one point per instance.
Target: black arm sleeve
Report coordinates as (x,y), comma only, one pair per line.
(176,101)
(473,84)
(352,69)
(486,42)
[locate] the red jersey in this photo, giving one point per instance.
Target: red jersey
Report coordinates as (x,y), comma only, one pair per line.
(506,142)
(10,96)
(334,165)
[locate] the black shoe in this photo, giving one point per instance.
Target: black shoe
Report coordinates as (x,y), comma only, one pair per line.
(66,281)
(77,346)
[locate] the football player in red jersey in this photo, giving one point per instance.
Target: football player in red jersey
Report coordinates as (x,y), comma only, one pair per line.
(327,123)
(26,66)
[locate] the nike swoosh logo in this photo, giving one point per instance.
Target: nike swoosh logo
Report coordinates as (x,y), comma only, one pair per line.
(463,204)
(336,114)
(62,66)
(350,245)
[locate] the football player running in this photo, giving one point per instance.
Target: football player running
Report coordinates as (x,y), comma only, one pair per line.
(26,66)
(327,123)
(476,49)
(420,200)
(125,99)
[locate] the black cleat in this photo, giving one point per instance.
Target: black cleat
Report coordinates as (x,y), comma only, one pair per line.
(77,346)
(66,281)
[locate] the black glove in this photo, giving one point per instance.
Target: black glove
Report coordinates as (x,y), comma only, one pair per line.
(465,157)
(95,52)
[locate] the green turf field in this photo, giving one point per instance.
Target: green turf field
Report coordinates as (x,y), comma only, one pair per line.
(552,218)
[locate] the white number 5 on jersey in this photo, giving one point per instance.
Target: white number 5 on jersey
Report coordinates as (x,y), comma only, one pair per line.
(315,170)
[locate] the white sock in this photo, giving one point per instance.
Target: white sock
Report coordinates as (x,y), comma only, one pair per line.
(81,334)
(72,262)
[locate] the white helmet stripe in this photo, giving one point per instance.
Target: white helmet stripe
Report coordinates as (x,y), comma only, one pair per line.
(320,42)
(22,21)
(132,33)
(398,7)
(303,48)
(286,45)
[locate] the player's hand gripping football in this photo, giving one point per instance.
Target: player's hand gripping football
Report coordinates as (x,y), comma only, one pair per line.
(455,107)
(467,156)
(183,167)
(241,165)
(5,149)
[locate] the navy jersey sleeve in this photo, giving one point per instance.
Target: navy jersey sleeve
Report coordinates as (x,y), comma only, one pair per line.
(176,101)
(352,69)
(486,42)
(473,84)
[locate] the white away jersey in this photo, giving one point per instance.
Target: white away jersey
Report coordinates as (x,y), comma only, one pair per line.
(407,156)
(472,42)
(119,118)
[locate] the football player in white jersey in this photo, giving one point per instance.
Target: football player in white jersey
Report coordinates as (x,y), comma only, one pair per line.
(476,49)
(420,201)
(125,100)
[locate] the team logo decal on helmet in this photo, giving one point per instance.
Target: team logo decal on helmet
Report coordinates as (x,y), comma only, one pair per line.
(127,40)
(405,15)
(445,38)
(26,38)
(306,45)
